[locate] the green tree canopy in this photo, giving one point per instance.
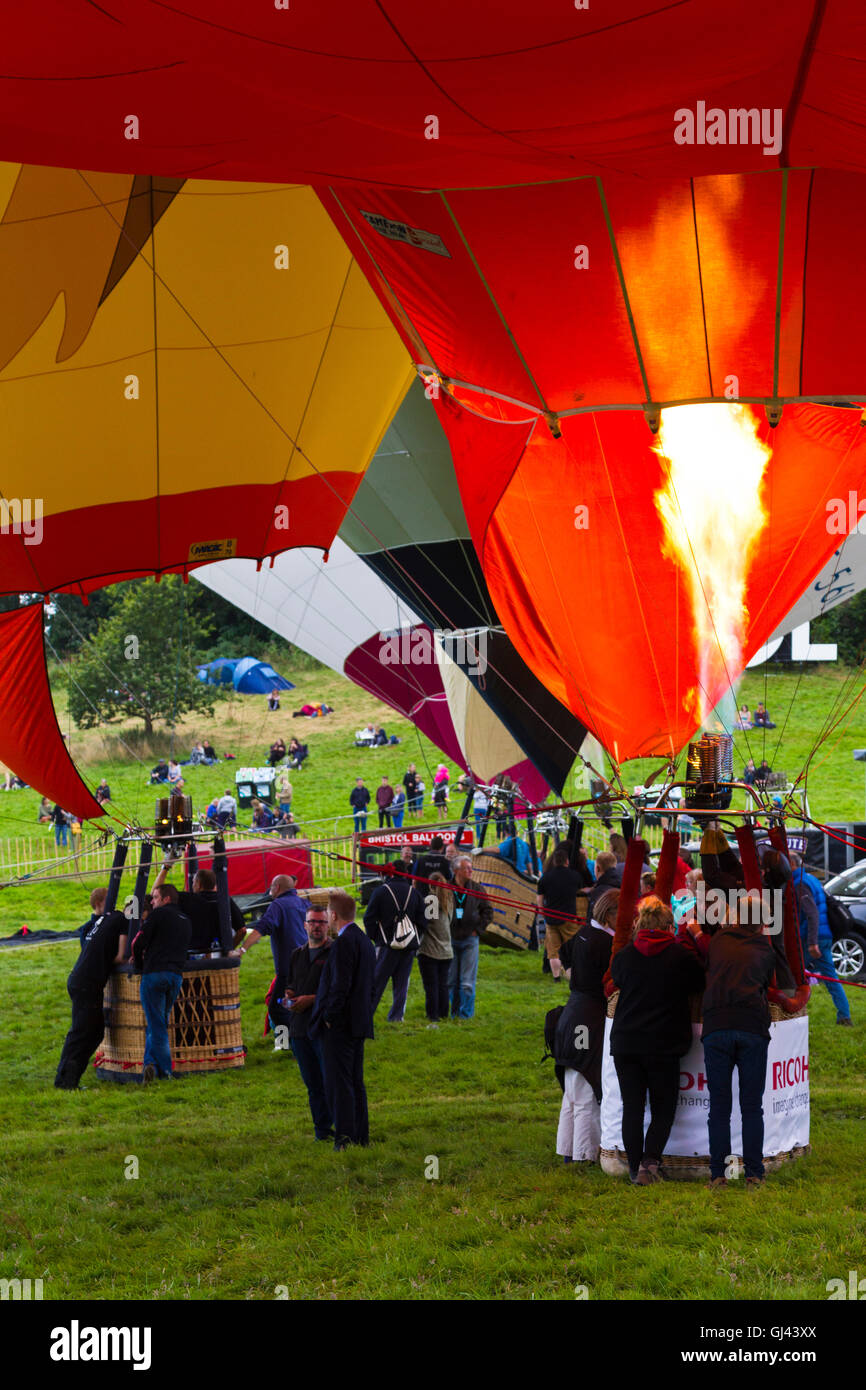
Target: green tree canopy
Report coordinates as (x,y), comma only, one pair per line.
(141,659)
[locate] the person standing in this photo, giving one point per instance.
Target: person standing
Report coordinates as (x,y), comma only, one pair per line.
(389,904)
(384,797)
(410,786)
(103,945)
(359,800)
(818,944)
(736,1033)
(284,792)
(651,1031)
(436,952)
(580,1035)
(440,798)
(61,826)
(302,983)
(283,921)
(480,809)
(556,898)
(473,912)
(398,806)
(159,952)
(342,1019)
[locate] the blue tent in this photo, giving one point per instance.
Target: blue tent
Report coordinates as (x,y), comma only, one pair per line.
(219,672)
(253,677)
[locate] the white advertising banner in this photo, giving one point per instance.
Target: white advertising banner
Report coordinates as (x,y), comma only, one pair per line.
(786,1096)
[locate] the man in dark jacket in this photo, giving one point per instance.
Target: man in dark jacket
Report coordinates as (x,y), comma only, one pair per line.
(103,945)
(736,1033)
(434,862)
(159,952)
(556,899)
(342,1018)
(389,902)
(473,911)
(607,876)
(201,906)
(359,800)
(305,973)
(651,1031)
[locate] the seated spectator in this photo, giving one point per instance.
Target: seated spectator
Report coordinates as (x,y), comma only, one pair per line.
(196,757)
(263,816)
(174,774)
(209,753)
(277,752)
(226,810)
(274,699)
(160,772)
(380,738)
(743,719)
(297,753)
(762,717)
(287,826)
(749,773)
(44,813)
(103,792)
(763,772)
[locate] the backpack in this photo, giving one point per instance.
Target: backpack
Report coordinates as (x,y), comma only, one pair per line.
(551,1022)
(405,933)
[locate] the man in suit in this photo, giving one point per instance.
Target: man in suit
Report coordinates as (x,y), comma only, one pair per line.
(342,1019)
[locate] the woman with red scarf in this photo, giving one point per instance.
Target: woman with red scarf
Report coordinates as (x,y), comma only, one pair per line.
(651,1031)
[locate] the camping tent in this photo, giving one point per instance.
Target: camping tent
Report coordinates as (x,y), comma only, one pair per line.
(253,677)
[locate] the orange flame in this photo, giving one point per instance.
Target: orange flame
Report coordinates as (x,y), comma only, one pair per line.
(712,514)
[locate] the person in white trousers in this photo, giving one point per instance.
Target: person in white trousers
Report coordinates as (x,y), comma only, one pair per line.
(580,1034)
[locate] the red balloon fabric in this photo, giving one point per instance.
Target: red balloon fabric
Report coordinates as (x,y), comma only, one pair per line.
(382,91)
(30,739)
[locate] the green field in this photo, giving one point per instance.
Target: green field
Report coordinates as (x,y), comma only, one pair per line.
(235,1200)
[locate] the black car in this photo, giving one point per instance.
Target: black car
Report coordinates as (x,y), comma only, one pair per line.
(849,938)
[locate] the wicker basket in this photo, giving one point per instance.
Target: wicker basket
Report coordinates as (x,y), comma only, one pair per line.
(511,926)
(204,1032)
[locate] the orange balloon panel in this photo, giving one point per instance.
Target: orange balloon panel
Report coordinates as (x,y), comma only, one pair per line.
(638,640)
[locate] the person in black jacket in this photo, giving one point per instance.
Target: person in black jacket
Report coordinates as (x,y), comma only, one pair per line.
(389,902)
(736,1033)
(556,899)
(103,945)
(607,876)
(159,952)
(342,1018)
(580,1034)
(305,972)
(359,800)
(651,1031)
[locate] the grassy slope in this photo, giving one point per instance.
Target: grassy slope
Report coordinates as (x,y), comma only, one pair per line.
(234,1198)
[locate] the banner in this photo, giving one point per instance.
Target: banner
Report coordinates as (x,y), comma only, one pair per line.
(394,839)
(786,1096)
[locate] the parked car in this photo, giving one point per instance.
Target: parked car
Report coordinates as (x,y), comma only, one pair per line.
(848,889)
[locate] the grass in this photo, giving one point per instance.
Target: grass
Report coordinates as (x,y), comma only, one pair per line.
(234,1197)
(235,1200)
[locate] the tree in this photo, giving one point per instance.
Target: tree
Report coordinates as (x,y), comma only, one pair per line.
(141,659)
(846,626)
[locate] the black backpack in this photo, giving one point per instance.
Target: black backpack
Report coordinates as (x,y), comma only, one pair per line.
(839,918)
(551,1022)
